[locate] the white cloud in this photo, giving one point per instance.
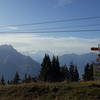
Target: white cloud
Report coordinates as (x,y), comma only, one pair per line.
(12,27)
(61,3)
(57,45)
(9,27)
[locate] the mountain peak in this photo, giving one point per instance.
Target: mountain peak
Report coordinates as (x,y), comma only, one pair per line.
(5,46)
(12,61)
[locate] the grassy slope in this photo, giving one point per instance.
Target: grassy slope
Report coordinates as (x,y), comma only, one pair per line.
(51,91)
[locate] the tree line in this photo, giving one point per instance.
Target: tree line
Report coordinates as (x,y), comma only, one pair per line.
(52,71)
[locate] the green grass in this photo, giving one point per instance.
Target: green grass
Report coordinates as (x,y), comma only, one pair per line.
(51,91)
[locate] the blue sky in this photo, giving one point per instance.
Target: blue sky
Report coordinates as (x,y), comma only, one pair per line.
(30,11)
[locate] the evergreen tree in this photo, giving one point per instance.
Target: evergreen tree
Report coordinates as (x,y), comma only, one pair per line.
(16,78)
(8,82)
(91,71)
(25,78)
(88,72)
(50,70)
(34,79)
(29,79)
(65,75)
(74,75)
(2,81)
(55,69)
(45,73)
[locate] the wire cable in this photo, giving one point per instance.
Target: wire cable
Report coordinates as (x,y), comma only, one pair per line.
(51,22)
(56,31)
(52,28)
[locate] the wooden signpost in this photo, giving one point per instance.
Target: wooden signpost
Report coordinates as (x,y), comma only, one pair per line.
(96,66)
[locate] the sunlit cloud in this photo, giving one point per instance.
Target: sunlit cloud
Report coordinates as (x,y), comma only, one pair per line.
(56,45)
(12,27)
(9,27)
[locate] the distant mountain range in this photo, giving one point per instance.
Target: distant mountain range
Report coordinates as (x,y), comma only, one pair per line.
(79,60)
(11,61)
(38,56)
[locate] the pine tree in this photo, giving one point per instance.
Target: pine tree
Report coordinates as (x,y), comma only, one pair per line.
(2,81)
(88,72)
(74,75)
(65,75)
(91,71)
(45,73)
(8,82)
(29,79)
(56,74)
(16,78)
(50,70)
(25,78)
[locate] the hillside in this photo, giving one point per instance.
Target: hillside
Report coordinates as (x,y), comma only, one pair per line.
(51,91)
(11,61)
